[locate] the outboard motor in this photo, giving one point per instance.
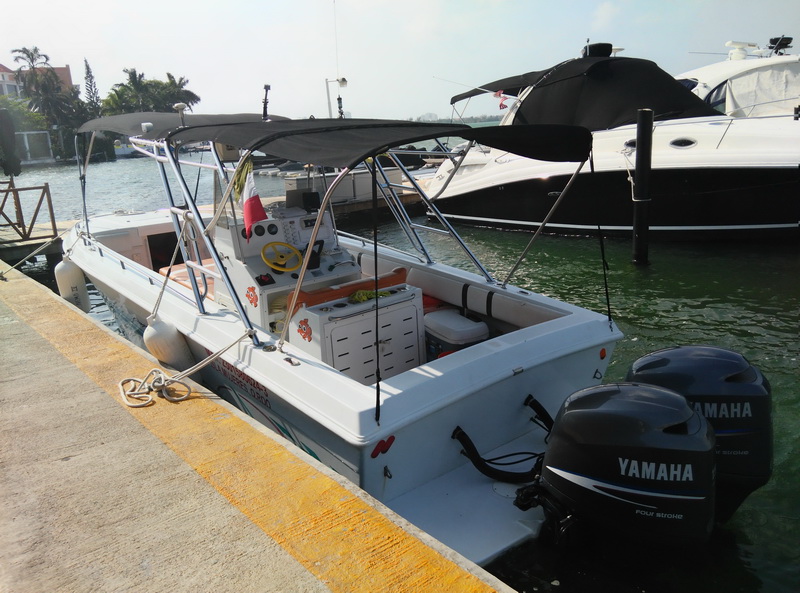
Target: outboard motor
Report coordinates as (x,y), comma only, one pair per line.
(735,398)
(635,459)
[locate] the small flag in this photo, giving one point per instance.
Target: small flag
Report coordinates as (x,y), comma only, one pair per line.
(252,207)
(499,95)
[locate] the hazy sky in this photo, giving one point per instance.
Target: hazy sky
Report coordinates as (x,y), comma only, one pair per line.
(402,58)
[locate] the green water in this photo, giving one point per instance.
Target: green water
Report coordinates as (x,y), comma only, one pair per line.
(745,297)
(742,297)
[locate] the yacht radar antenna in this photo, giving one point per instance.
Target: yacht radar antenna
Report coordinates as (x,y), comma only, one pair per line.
(739,51)
(180,108)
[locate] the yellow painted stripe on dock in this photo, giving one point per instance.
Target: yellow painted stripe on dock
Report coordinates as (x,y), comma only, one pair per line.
(338,537)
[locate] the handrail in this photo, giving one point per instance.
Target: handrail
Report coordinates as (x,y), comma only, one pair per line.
(24,230)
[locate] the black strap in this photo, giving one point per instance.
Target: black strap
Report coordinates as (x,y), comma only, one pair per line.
(481,464)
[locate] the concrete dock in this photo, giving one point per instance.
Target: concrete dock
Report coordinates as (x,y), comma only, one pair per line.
(187,496)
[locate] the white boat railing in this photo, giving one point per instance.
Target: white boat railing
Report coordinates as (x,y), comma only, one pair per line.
(197,222)
(187,215)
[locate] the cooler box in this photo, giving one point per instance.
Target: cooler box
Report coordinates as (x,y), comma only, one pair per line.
(447,330)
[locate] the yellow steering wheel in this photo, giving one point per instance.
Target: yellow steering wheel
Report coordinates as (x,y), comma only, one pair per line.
(278,260)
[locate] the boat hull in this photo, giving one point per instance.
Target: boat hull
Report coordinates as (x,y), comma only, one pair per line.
(685,204)
(402,453)
(710,178)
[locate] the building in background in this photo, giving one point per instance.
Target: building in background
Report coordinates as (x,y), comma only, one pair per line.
(33,147)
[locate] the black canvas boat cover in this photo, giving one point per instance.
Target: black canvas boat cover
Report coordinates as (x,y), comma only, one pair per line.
(160,124)
(342,142)
(597,93)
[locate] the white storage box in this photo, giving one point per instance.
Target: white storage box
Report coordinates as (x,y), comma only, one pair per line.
(447,330)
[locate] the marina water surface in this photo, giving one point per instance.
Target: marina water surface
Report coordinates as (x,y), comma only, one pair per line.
(745,297)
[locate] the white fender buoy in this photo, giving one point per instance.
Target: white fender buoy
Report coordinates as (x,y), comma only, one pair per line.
(167,344)
(72,284)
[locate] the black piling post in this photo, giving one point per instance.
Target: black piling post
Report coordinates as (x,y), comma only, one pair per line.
(641,187)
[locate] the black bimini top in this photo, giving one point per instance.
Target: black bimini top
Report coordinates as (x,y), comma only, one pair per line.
(598,93)
(341,142)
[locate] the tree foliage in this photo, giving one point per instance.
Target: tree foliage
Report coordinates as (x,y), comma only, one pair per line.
(92,94)
(41,85)
(44,91)
(24,119)
(47,105)
(140,94)
(45,94)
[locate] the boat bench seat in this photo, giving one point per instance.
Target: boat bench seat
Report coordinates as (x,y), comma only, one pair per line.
(310,298)
(499,309)
(180,274)
(488,302)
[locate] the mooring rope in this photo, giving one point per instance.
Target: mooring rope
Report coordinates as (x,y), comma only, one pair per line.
(626,153)
(159,381)
(34,253)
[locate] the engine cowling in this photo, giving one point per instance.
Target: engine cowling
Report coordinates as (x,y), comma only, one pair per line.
(636,459)
(735,398)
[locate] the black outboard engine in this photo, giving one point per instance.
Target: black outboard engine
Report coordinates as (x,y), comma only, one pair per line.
(735,398)
(635,459)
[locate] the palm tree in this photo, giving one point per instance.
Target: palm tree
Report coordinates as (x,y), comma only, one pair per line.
(31,56)
(42,87)
(49,98)
(34,62)
(176,88)
(137,89)
(140,94)
(31,59)
(117,102)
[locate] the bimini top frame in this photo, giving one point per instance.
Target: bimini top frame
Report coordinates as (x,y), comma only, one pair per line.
(339,143)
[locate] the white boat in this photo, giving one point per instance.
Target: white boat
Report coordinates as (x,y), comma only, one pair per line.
(713,176)
(752,82)
(422,399)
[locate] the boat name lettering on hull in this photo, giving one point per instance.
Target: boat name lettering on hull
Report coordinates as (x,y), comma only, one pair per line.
(242,380)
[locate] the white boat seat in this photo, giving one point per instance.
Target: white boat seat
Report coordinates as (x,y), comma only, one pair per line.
(487,301)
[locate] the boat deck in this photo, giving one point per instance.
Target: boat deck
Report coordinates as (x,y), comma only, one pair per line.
(182,496)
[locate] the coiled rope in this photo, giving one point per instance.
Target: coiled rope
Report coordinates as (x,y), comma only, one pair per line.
(159,381)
